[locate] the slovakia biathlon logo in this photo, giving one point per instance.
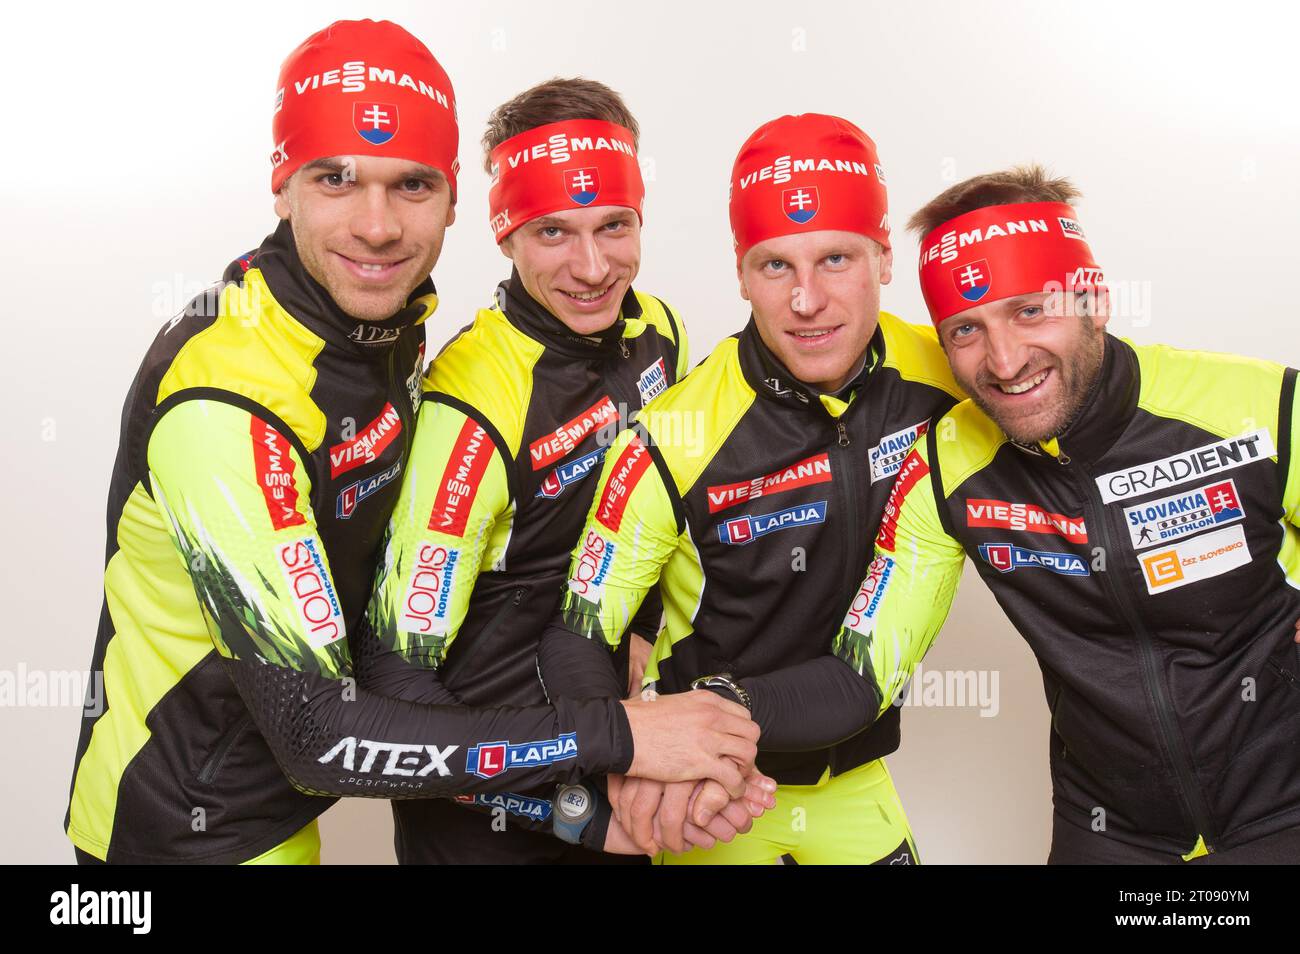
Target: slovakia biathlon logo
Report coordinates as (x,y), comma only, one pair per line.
(582,185)
(801,204)
(376,123)
(973,280)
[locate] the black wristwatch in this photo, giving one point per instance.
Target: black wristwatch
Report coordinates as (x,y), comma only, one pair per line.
(723,680)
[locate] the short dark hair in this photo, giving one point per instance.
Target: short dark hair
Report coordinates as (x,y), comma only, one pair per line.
(1030,183)
(555,101)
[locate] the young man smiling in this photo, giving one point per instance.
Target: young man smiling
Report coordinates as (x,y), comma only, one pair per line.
(519,411)
(1135,511)
(261,443)
(806,412)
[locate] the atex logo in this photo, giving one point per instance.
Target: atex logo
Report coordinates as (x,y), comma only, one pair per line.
(409,760)
(75,906)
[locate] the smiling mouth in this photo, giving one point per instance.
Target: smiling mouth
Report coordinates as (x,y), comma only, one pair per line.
(372,271)
(587,297)
(813,335)
(1025,386)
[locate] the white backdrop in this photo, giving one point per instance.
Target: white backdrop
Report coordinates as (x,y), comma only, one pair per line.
(137,142)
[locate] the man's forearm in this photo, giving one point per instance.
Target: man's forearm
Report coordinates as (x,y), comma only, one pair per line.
(574,667)
(331,739)
(810,705)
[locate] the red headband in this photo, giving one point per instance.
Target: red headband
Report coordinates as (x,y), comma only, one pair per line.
(363,88)
(807,173)
(567,165)
(1004,250)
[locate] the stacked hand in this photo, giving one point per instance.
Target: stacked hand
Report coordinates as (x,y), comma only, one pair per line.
(652,816)
(692,782)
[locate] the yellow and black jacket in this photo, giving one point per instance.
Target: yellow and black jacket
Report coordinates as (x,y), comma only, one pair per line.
(753,501)
(518,413)
(1150,556)
(261,451)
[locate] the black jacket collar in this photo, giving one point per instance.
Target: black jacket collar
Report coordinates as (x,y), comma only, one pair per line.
(770,379)
(1109,406)
(530,317)
(306,300)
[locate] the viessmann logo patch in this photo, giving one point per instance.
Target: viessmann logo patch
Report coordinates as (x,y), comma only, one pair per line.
(912,470)
(460,479)
(888,455)
(546,450)
(1179,468)
(741,530)
(1191,561)
(1030,518)
(810,470)
(1181,515)
(274,468)
(629,467)
(368,444)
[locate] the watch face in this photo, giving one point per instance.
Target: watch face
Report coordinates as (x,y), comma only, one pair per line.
(574,802)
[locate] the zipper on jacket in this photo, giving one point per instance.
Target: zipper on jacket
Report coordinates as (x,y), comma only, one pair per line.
(613,373)
(1288,678)
(485,634)
(1172,738)
(849,531)
(218,756)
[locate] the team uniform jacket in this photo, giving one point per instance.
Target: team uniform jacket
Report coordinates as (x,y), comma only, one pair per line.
(1151,558)
(749,498)
(261,450)
(517,416)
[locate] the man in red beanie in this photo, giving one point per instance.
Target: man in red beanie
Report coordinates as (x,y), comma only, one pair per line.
(262,444)
(519,411)
(1135,510)
(753,530)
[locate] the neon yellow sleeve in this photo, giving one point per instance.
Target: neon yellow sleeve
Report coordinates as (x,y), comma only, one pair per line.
(631,532)
(455,490)
(1291,491)
(909,587)
(237,502)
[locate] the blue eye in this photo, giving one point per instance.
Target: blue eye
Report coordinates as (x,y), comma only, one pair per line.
(835,259)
